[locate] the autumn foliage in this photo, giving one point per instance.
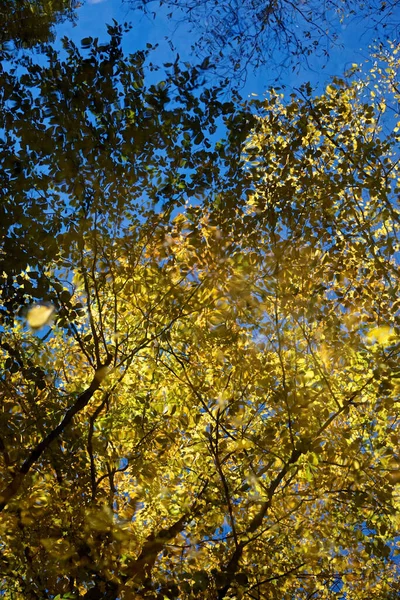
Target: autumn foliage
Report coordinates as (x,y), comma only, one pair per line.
(212,412)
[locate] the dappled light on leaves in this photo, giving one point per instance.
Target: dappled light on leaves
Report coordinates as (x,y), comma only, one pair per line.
(214,412)
(384,336)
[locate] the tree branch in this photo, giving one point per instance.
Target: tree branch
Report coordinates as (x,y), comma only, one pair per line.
(13,487)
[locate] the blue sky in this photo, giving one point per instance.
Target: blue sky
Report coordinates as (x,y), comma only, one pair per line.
(355,36)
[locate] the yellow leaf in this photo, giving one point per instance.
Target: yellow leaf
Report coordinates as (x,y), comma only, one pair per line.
(309,375)
(381,335)
(100,519)
(39,315)
(58,548)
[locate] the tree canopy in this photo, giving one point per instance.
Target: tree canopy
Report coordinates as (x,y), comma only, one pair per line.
(212,412)
(28,23)
(85,135)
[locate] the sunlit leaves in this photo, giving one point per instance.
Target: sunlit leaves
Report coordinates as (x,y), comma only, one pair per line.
(382,335)
(39,315)
(231,368)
